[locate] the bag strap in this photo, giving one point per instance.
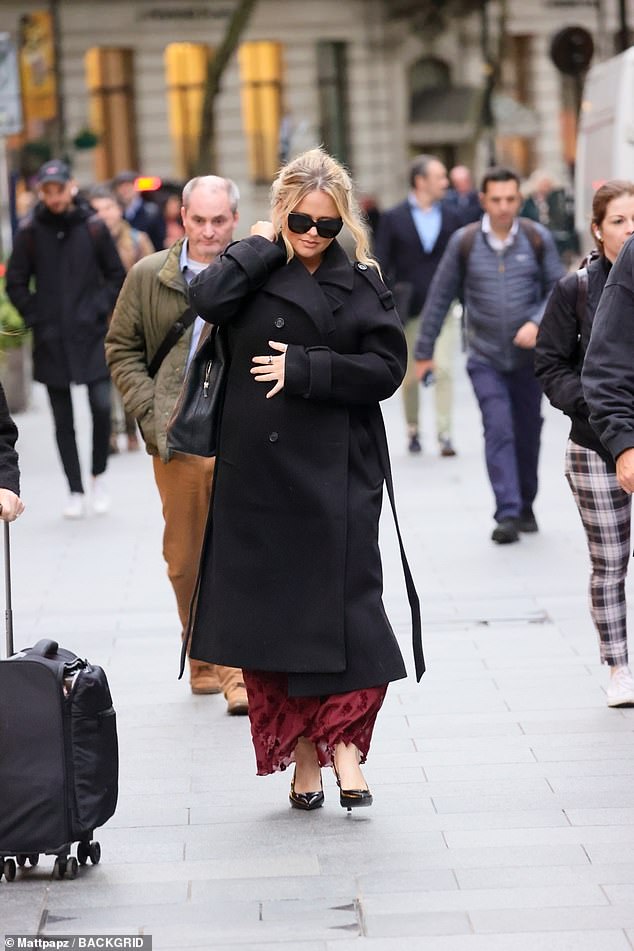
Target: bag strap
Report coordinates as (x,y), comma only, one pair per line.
(172,337)
(412,595)
(582,296)
(534,238)
(467,239)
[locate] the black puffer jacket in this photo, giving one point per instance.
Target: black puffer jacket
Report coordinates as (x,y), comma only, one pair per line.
(561,346)
(78,275)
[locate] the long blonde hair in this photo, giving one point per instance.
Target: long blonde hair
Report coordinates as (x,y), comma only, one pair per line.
(311,171)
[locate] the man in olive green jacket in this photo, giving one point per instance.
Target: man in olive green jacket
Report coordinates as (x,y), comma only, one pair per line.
(152,299)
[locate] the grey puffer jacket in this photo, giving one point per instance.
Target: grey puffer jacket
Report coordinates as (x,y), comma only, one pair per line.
(501,292)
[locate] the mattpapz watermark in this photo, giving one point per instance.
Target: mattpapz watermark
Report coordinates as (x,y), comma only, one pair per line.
(60,942)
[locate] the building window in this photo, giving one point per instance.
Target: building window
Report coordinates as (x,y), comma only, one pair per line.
(109,77)
(186,70)
(261,94)
(332,86)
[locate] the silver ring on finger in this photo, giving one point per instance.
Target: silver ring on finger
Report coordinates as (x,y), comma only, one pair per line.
(270,359)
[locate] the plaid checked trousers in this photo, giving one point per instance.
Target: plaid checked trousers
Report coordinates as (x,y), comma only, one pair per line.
(605,512)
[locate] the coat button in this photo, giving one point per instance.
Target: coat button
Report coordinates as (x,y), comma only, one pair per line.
(362,267)
(279,322)
(273,437)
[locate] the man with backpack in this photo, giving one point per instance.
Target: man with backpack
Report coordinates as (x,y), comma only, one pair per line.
(63,277)
(503,269)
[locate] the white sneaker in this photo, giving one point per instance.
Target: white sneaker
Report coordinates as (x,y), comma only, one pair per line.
(100,497)
(621,687)
(75,507)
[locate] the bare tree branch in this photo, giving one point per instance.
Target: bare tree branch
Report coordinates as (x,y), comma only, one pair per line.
(207,159)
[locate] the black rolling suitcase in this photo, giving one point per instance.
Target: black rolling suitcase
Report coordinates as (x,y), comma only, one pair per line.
(59,759)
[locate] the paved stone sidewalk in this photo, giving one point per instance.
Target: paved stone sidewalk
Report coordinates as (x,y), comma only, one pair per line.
(504,794)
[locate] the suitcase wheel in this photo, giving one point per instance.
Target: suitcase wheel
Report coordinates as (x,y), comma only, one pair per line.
(9,869)
(65,867)
(32,859)
(88,850)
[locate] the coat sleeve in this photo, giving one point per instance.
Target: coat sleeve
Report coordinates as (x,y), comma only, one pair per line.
(217,293)
(9,471)
(19,273)
(370,374)
(126,354)
(445,287)
(558,353)
(608,370)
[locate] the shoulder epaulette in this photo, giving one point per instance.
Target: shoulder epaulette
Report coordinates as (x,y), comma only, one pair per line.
(379,288)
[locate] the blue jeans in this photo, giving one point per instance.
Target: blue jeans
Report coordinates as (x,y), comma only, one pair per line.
(510,404)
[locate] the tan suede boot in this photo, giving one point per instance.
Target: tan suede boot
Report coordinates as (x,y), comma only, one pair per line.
(234,690)
(203,678)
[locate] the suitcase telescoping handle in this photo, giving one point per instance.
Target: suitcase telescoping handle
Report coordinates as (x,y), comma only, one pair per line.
(8,613)
(46,647)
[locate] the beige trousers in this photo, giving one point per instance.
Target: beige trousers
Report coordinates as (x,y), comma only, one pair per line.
(444,353)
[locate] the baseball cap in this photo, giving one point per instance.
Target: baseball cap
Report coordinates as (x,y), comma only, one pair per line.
(54,171)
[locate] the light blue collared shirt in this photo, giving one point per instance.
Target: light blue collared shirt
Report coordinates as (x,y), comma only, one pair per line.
(189,270)
(428,223)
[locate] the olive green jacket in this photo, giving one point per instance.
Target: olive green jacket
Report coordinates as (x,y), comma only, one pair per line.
(152,299)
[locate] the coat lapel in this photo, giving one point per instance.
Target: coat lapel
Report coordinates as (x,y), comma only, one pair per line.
(318,295)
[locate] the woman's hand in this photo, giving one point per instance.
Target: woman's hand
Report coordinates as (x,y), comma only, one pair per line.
(265,229)
(625,470)
(10,505)
(271,369)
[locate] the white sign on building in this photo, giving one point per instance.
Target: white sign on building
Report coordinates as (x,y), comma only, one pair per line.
(10,105)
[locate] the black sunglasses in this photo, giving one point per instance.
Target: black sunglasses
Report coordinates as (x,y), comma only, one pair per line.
(300,223)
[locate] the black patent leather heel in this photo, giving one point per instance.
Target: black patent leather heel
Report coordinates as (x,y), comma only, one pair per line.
(306,800)
(352,798)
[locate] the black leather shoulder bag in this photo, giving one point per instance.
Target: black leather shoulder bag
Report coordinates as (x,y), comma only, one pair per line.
(194,426)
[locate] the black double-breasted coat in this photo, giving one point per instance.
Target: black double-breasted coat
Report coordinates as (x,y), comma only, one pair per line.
(290,577)
(78,275)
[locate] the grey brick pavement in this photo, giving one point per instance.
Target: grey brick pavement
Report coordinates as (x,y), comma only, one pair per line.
(504,800)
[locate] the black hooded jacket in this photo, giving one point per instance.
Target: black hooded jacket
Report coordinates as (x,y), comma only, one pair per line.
(561,347)
(64,276)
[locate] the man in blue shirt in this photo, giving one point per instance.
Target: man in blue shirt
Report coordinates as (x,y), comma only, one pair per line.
(410,241)
(140,214)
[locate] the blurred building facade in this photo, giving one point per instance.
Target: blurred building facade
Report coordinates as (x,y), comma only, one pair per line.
(346,73)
